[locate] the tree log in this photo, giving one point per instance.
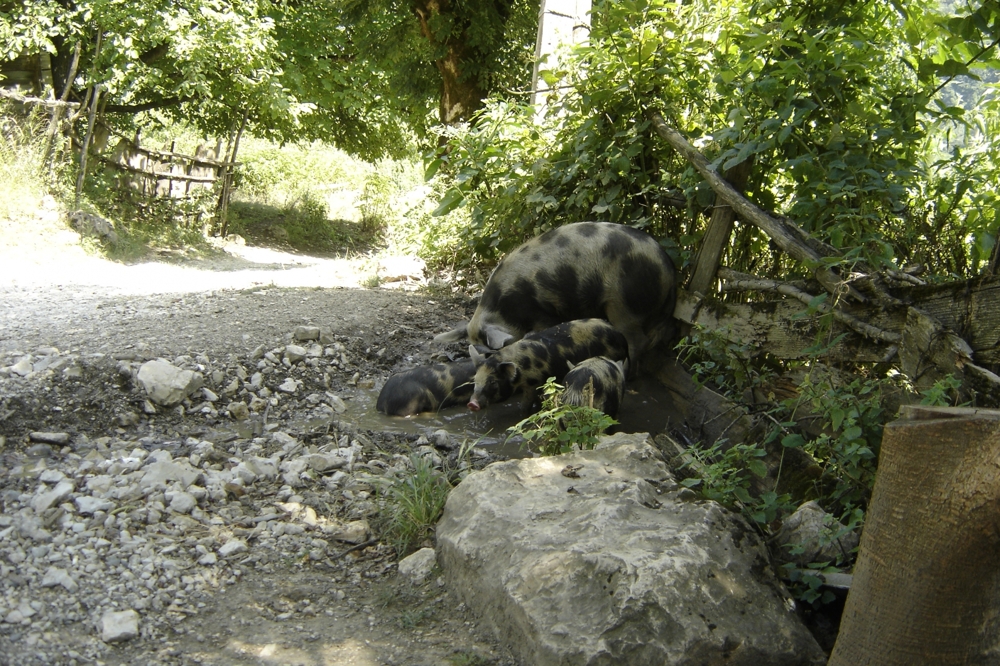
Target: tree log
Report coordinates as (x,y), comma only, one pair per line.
(927,582)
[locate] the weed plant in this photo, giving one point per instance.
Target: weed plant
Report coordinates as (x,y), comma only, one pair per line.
(412,504)
(27,180)
(560,428)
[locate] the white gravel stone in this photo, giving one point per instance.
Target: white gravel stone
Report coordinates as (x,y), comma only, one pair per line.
(162,472)
(23,367)
(47,498)
(324,462)
(55,576)
(51,476)
(182,502)
(166,384)
(295,353)
(290,385)
(418,566)
(306,333)
(89,505)
(232,547)
(119,626)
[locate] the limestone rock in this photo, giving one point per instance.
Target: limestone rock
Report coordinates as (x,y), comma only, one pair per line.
(87,505)
(56,576)
(418,566)
(57,438)
(306,333)
(610,566)
(47,498)
(166,384)
(161,473)
(295,353)
(814,532)
(119,626)
(232,547)
(355,531)
(23,367)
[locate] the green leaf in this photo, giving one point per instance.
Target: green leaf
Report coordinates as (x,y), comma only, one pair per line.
(757,467)
(432,168)
(793,441)
(452,199)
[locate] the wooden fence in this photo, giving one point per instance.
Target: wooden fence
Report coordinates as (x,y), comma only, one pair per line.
(165,173)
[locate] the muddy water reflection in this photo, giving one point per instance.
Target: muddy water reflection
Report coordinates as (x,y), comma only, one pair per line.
(647,407)
(488,425)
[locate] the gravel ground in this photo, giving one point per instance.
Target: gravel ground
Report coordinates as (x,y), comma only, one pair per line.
(131,533)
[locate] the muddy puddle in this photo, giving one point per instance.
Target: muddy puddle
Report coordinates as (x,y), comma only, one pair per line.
(647,408)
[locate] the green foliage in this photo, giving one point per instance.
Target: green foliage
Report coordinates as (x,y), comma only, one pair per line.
(26,181)
(560,428)
(806,584)
(724,475)
(716,361)
(412,504)
(944,393)
(850,418)
(361,75)
(838,107)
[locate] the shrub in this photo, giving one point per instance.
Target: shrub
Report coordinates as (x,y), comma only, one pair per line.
(560,428)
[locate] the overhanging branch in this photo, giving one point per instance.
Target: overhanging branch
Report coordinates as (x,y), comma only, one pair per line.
(780,232)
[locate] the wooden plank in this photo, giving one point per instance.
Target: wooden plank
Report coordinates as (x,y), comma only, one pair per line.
(969,308)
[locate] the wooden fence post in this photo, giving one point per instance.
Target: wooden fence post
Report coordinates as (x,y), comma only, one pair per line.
(926,585)
(720,228)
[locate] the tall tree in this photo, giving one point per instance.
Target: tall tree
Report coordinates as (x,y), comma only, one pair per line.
(365,76)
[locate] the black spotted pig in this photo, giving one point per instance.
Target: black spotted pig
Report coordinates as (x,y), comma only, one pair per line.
(596,382)
(577,271)
(426,389)
(525,365)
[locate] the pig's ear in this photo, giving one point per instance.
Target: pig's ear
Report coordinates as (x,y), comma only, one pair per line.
(454,335)
(570,364)
(496,337)
(477,358)
(508,370)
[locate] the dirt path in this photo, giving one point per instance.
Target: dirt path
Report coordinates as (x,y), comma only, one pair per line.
(81,327)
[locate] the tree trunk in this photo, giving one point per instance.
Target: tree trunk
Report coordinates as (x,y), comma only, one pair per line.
(927,582)
(461,95)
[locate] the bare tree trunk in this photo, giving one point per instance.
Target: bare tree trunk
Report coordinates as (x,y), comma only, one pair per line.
(927,582)
(227,178)
(82,176)
(461,95)
(50,135)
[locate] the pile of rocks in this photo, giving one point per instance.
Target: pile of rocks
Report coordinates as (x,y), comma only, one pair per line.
(110,539)
(120,534)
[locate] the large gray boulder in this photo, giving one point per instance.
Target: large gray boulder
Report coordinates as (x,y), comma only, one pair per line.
(599,557)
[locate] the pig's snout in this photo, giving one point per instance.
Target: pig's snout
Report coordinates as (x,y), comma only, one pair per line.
(473,405)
